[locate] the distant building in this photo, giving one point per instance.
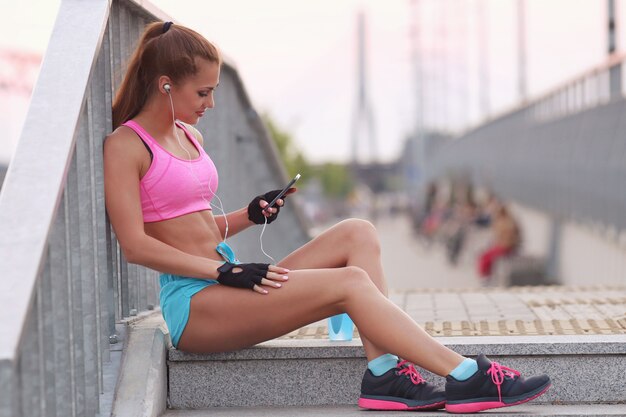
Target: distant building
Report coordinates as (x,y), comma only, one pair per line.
(413,161)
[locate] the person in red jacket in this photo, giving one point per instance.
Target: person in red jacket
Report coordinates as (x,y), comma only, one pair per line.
(506,240)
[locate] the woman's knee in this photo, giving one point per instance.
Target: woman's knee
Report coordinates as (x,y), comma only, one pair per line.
(355,280)
(361,234)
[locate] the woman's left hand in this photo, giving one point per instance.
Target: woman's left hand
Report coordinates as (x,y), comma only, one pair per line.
(257,212)
(252,275)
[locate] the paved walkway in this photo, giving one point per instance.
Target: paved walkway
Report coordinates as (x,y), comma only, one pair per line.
(410,264)
(448,301)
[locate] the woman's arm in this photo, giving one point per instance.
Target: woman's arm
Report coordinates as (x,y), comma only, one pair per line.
(237,222)
(241,219)
(123,159)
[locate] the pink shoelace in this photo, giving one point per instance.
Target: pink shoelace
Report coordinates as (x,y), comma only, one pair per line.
(499,373)
(407,368)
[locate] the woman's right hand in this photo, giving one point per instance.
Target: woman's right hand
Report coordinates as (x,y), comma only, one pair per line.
(257,212)
(251,275)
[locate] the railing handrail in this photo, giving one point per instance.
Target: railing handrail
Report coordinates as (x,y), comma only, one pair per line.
(611,61)
(50,128)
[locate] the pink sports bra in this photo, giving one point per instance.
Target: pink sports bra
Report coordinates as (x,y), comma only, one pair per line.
(173,186)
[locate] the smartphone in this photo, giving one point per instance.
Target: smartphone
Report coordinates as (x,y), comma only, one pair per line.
(282,193)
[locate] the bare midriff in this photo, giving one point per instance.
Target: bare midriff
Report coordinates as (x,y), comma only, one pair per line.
(194,233)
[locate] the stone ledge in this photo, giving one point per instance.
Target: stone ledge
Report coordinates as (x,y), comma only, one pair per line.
(583,369)
(141,389)
(576,379)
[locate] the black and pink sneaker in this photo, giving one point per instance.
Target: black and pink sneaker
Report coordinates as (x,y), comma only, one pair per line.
(400,388)
(492,386)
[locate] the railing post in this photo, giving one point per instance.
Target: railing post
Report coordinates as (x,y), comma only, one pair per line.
(9,400)
(615,81)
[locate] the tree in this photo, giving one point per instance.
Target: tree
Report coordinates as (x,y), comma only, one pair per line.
(295,162)
(334,177)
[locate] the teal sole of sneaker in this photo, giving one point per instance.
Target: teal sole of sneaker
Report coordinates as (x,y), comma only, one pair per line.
(475,407)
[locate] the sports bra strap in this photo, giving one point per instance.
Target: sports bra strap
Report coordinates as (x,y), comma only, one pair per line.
(140,131)
(190,135)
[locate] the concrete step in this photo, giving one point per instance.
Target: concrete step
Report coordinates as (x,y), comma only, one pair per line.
(523,410)
(586,369)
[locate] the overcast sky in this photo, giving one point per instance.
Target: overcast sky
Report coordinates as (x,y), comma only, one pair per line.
(297,58)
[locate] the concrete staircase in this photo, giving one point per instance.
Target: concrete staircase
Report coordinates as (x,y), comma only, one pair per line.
(319,373)
(575,335)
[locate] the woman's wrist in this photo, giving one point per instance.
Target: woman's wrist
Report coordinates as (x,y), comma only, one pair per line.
(237,221)
(241,220)
(213,265)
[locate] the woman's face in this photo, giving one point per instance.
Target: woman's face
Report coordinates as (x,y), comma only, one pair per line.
(195,94)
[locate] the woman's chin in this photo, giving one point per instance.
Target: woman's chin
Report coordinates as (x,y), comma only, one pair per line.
(190,120)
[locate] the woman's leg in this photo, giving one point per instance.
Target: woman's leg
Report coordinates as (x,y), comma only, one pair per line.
(352,242)
(224,318)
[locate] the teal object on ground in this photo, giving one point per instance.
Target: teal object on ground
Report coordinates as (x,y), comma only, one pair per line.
(340,327)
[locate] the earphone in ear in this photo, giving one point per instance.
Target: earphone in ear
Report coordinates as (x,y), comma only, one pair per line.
(167,88)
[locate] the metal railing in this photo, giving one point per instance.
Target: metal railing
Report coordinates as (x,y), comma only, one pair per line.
(64,281)
(592,88)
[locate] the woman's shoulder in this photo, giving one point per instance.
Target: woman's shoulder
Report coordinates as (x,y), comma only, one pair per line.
(122,133)
(128,129)
(123,141)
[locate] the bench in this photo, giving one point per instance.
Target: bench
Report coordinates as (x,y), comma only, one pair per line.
(518,270)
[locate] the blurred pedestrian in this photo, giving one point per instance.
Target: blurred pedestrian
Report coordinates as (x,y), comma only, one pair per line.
(506,241)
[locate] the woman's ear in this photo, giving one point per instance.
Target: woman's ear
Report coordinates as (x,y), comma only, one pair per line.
(165,84)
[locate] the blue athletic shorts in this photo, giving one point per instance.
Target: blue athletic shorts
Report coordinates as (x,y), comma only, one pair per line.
(176,293)
(175,300)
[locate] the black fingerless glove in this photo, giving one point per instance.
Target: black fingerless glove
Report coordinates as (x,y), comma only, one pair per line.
(249,275)
(255,212)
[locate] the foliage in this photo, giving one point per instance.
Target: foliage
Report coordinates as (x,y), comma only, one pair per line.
(295,162)
(335,178)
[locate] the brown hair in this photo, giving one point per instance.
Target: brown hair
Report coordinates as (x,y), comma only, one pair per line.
(171,53)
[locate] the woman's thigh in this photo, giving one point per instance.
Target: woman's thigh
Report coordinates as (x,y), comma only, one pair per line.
(334,247)
(224,318)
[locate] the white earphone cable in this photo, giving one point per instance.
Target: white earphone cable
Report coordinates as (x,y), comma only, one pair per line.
(221,206)
(261,241)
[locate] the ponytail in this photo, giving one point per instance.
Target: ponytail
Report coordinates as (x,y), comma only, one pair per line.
(160,51)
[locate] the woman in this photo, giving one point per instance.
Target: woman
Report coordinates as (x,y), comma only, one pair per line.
(158,188)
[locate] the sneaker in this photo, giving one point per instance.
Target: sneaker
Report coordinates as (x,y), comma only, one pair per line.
(492,386)
(400,388)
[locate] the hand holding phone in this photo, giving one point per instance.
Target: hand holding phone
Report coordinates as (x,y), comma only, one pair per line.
(259,215)
(282,192)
